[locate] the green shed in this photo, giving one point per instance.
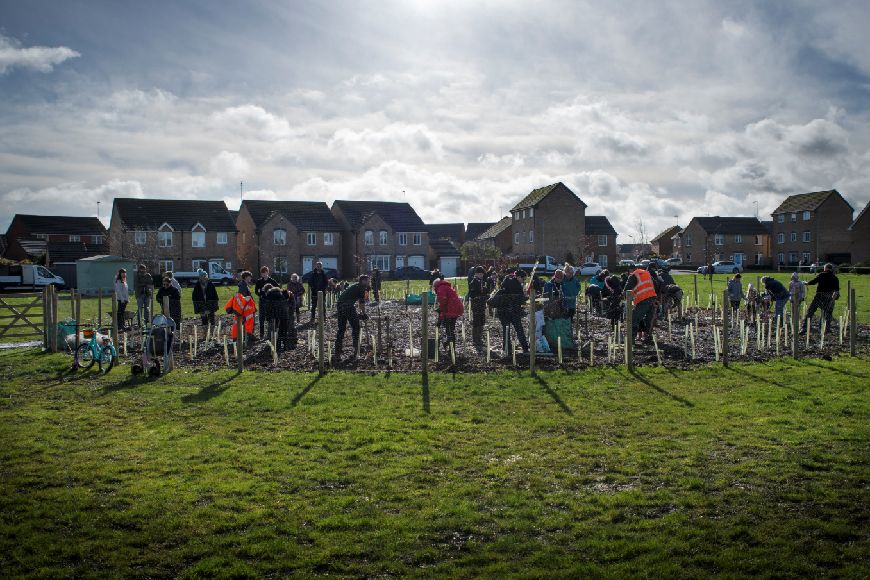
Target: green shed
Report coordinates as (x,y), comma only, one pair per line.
(100,271)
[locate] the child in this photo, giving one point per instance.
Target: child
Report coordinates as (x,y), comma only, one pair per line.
(449,309)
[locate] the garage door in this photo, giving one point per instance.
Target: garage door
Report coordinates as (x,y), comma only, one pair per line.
(419,261)
(331,262)
(449,266)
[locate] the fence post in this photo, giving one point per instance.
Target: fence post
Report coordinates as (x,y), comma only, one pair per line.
(240,343)
(114,320)
(99,308)
(77,309)
(726,323)
(55,305)
(853,321)
(321,319)
(424,337)
(795,328)
(629,330)
(695,279)
(532,333)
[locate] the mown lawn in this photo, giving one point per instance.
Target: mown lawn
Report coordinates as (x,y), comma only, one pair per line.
(760,469)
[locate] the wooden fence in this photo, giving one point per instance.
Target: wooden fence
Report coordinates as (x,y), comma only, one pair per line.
(22,317)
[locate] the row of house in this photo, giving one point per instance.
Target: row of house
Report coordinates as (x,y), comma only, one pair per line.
(355,236)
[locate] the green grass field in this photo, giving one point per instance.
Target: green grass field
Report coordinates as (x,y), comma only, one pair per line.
(753,470)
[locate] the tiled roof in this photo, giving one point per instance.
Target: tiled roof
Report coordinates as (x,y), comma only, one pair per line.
(805,201)
(455,232)
(305,215)
(234,215)
(61,224)
(768,225)
(180,214)
(399,215)
(472,230)
(599,225)
(731,225)
(443,248)
(72,251)
(667,234)
(496,228)
(861,215)
(535,197)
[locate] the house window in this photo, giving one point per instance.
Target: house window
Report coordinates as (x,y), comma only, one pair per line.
(602,260)
(164,239)
(222,238)
(805,257)
(382,261)
(602,240)
(98,240)
(400,262)
(531,236)
(40,236)
(517,238)
(780,238)
(719,239)
(369,238)
(403,239)
(524,214)
(382,237)
(793,237)
(279,237)
(807,216)
(531,212)
(75,238)
(197,239)
(280,265)
(328,239)
(165,266)
(759,258)
(757,240)
(139,238)
(793,217)
(689,258)
(418,239)
(807,236)
(687,240)
(780,219)
(738,238)
(792,258)
(311,238)
(717,256)
(780,258)
(197,264)
(228,266)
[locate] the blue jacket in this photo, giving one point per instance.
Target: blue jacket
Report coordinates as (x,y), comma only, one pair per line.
(776,289)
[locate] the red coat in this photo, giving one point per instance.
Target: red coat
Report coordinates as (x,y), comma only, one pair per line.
(449,302)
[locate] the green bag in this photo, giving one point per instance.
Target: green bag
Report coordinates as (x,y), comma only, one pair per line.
(559,328)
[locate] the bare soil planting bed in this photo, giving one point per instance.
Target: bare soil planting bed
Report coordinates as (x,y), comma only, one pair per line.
(393,350)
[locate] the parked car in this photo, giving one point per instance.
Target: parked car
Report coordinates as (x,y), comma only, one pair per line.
(723,267)
(411,273)
(628,263)
(590,268)
(330,273)
(674,261)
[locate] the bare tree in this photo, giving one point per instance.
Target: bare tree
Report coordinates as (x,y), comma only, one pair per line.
(640,230)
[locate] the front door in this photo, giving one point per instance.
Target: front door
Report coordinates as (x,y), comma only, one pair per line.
(307,264)
(738,259)
(400,261)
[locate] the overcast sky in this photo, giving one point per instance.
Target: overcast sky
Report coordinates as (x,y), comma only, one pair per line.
(655,110)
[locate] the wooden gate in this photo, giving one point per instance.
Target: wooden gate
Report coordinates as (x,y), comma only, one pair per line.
(22,317)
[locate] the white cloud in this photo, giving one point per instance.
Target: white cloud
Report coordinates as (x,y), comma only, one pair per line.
(38,58)
(229,165)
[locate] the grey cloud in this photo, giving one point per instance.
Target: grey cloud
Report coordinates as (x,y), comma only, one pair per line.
(38,58)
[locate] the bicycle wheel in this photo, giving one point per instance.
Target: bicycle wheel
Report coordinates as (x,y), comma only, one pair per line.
(85,356)
(107,359)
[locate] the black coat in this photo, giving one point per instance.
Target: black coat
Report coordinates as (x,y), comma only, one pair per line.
(318,281)
(205,300)
(261,283)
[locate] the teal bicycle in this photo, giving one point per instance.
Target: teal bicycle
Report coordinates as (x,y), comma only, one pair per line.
(95,351)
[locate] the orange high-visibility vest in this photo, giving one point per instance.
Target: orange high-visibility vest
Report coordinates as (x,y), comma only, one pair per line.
(644,288)
(242,306)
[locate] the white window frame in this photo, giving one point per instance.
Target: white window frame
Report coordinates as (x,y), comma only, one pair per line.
(140,237)
(328,238)
(417,239)
(40,236)
(780,258)
(75,238)
(793,258)
(222,239)
(807,215)
(199,263)
(759,259)
(165,266)
(792,237)
(719,239)
(757,240)
(793,218)
(531,212)
(280,264)
(403,239)
(382,261)
(602,260)
(806,257)
(98,240)
(311,238)
(602,240)
(807,236)
(531,236)
(781,220)
(279,237)
(687,240)
(780,238)
(164,236)
(738,238)
(197,234)
(516,237)
(383,237)
(369,238)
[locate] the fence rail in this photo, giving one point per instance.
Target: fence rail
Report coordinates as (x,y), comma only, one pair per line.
(22,316)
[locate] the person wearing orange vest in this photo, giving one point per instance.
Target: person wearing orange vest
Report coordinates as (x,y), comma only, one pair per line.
(644,300)
(242,305)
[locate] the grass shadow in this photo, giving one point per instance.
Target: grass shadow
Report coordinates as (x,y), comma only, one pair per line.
(661,390)
(210,392)
(304,391)
(812,363)
(554,395)
(129,383)
(744,372)
(425,393)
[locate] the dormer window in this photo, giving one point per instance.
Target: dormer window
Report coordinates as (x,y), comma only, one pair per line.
(382,237)
(807,216)
(369,238)
(164,236)
(197,236)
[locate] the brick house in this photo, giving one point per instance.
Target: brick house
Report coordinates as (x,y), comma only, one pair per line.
(385,234)
(860,234)
(600,241)
(810,227)
(663,244)
(632,252)
(474,229)
(288,236)
(444,243)
(744,240)
(549,221)
(499,234)
(33,236)
(173,234)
